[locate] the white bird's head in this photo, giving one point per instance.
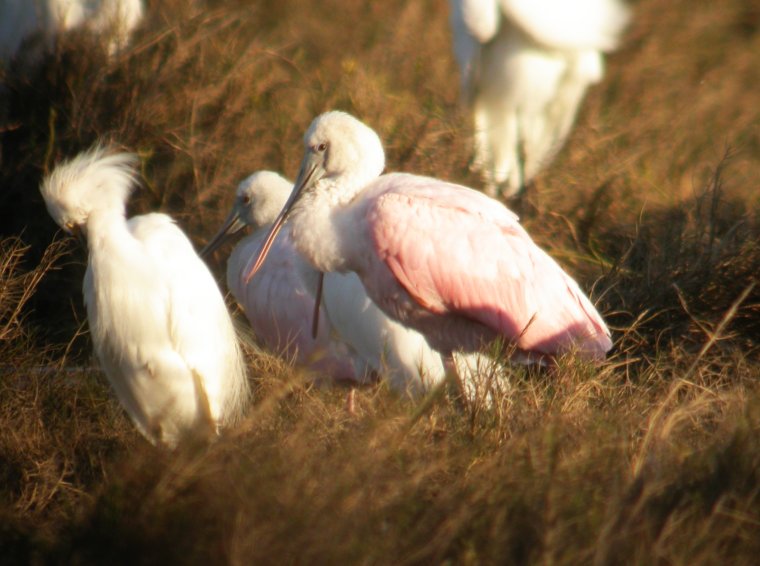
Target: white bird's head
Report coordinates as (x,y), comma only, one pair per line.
(92,181)
(338,145)
(260,197)
(258,200)
(339,148)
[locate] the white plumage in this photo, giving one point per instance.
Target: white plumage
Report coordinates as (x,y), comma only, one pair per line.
(525,66)
(449,262)
(279,303)
(158,322)
(24,19)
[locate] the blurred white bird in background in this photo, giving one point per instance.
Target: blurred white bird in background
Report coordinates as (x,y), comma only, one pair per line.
(355,339)
(525,66)
(40,21)
(157,320)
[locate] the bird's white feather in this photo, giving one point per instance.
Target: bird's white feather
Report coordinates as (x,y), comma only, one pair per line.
(525,83)
(158,322)
(280,299)
(443,259)
(43,20)
(576,25)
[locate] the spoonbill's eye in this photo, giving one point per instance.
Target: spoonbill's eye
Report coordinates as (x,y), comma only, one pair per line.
(321,147)
(246,199)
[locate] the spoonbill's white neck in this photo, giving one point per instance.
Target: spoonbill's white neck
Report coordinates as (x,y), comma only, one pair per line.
(316,224)
(342,156)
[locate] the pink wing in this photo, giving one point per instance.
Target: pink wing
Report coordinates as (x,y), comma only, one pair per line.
(279,305)
(457,251)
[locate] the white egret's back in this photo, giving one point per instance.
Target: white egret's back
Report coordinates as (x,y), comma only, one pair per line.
(200,328)
(162,332)
(157,320)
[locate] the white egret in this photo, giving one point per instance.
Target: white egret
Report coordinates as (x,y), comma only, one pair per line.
(525,66)
(158,322)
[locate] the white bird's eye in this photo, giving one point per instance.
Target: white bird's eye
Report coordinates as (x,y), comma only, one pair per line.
(69,227)
(321,147)
(246,199)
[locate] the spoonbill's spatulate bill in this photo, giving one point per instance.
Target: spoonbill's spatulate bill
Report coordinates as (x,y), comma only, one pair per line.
(525,66)
(157,319)
(355,339)
(443,259)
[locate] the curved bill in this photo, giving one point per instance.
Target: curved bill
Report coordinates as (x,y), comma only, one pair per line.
(232,225)
(311,171)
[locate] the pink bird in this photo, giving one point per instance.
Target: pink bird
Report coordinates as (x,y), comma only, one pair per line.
(279,304)
(355,341)
(446,260)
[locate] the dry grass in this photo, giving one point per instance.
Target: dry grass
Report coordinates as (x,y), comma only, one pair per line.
(652,458)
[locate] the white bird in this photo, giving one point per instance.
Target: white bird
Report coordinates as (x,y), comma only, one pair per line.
(158,322)
(525,66)
(22,20)
(280,304)
(443,259)
(354,340)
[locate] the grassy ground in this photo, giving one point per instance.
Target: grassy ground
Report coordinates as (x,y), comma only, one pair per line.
(654,457)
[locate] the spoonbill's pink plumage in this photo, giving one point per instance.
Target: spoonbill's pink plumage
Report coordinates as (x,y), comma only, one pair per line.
(446,260)
(280,308)
(354,341)
(279,303)
(459,255)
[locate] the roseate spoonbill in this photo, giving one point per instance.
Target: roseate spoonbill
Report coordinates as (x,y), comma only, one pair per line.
(525,66)
(158,322)
(354,338)
(449,261)
(22,19)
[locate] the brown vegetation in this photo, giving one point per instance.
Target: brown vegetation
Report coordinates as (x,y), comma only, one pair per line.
(654,457)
